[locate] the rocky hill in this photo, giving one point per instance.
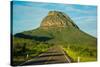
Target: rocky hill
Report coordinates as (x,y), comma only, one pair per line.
(58,19)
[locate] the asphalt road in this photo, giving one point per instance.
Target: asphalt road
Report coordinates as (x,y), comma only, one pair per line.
(54,55)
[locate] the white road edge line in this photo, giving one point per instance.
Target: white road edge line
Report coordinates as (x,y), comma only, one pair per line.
(66,56)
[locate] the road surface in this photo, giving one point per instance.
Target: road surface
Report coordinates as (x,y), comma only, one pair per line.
(54,55)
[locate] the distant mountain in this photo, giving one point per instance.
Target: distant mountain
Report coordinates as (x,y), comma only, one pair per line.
(57,28)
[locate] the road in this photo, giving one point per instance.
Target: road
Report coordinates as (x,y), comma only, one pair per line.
(54,55)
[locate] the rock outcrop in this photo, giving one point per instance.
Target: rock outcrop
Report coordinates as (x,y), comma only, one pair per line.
(56,19)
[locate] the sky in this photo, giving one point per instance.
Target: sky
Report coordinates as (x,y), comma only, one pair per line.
(28,15)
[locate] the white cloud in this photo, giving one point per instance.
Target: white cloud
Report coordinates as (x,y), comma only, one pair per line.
(86,18)
(83,11)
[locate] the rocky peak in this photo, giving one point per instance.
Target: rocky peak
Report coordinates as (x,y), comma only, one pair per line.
(57,19)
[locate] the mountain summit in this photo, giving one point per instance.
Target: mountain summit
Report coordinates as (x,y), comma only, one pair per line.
(59,20)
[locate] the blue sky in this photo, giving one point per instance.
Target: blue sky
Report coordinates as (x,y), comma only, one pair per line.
(28,15)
